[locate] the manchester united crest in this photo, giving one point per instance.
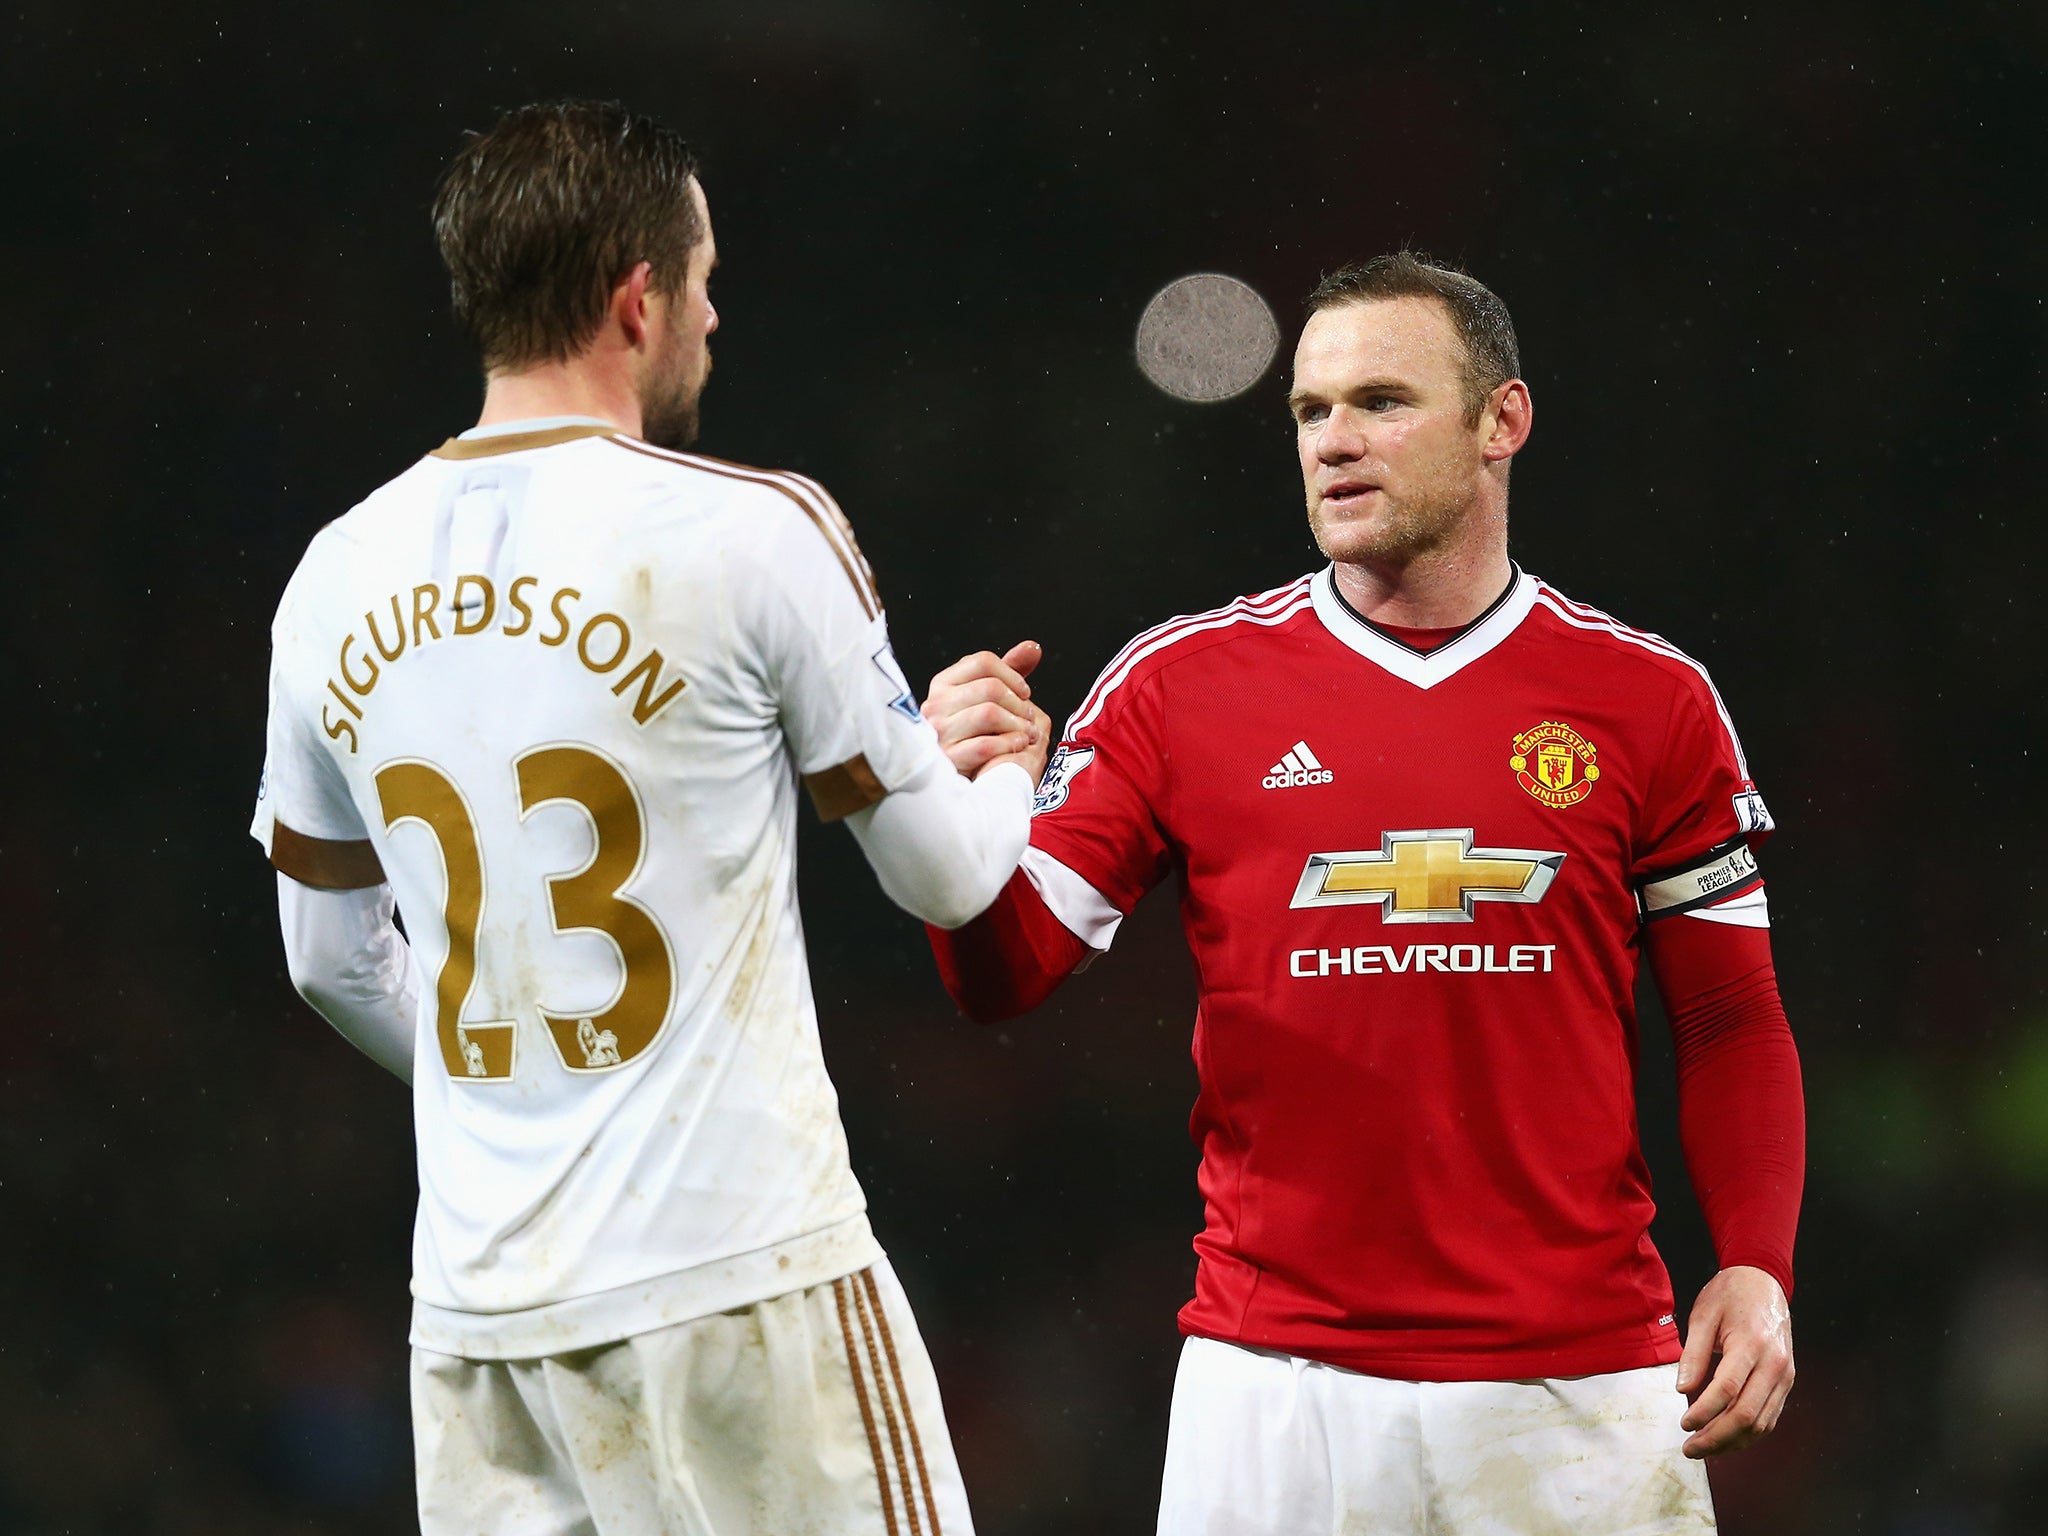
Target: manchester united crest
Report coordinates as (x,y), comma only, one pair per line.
(1555,764)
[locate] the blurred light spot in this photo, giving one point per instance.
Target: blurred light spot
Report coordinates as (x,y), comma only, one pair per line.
(1206,337)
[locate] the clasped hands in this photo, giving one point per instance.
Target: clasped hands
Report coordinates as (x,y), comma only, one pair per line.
(981,707)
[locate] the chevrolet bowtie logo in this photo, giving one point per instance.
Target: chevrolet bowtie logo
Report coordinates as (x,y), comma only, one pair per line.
(1426,877)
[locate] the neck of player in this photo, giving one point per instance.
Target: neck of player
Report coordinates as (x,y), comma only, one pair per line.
(1443,587)
(580,386)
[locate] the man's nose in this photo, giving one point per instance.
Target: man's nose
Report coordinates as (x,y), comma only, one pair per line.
(710,317)
(1341,438)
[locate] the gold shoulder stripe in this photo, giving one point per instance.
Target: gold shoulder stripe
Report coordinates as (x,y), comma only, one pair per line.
(846,530)
(516,442)
(839,792)
(855,568)
(326,864)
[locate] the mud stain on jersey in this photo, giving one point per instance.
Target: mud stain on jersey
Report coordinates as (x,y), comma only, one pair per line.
(760,950)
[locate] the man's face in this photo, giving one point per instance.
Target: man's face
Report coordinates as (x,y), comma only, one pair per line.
(1388,459)
(680,360)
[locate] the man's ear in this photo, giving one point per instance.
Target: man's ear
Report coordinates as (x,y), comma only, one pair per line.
(1513,415)
(629,304)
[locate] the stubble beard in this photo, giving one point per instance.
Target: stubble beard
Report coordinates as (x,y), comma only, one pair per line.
(1402,532)
(669,413)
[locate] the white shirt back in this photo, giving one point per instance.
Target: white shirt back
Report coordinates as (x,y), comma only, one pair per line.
(564,684)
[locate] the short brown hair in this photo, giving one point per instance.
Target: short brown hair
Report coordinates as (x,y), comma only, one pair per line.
(540,217)
(1477,315)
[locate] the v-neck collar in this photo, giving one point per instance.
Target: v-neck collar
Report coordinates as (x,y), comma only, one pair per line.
(1424,669)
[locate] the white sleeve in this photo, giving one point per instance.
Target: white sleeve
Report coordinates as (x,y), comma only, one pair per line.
(943,846)
(303,787)
(810,621)
(348,959)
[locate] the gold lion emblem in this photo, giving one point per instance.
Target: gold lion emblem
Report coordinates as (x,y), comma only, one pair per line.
(1555,764)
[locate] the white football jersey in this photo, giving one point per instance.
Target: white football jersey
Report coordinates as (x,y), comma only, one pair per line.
(564,684)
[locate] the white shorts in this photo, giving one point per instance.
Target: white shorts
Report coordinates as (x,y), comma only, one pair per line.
(1268,1445)
(815,1412)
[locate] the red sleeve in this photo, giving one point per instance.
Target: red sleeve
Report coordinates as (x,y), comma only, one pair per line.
(1009,959)
(1741,1113)
(1100,806)
(1097,846)
(1701,804)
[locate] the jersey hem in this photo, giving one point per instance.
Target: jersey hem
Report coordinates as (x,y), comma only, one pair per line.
(605,1317)
(1499,1365)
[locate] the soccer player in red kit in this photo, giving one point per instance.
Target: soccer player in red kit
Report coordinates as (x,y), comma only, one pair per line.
(1426,815)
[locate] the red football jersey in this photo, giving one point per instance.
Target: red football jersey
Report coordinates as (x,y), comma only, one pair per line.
(1413,884)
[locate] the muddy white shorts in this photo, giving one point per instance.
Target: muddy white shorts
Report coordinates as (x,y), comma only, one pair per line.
(815,1412)
(1268,1445)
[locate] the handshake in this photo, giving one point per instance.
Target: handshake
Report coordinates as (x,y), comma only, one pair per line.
(981,707)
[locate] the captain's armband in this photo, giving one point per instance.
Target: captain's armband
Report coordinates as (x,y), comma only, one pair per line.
(1716,876)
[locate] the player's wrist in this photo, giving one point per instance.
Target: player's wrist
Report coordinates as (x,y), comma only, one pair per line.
(1001,768)
(1754,1264)
(1763,1266)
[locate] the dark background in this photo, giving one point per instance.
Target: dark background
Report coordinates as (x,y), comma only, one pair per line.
(1778,277)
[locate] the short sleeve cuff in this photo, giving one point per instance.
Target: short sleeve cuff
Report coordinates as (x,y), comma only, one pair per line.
(1085,911)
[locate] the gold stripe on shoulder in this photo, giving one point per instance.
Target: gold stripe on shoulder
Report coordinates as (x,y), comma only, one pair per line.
(691,459)
(516,442)
(751,469)
(325,863)
(776,480)
(839,792)
(867,571)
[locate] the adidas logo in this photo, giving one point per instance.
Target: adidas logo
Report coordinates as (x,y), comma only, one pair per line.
(1298,768)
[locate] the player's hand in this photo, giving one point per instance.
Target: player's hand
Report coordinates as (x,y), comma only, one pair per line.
(981,707)
(1032,755)
(1743,1319)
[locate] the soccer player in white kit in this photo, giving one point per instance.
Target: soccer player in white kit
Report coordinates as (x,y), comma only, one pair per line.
(549,692)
